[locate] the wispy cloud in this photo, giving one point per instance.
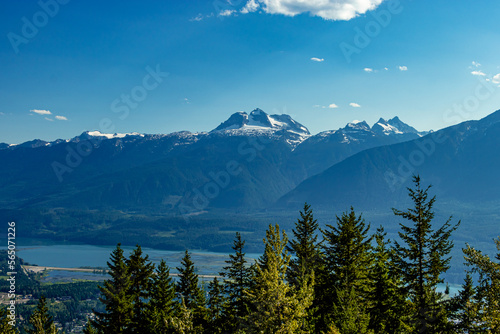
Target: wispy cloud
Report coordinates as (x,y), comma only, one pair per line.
(403,68)
(367,69)
(41,112)
(186,100)
(250,7)
(343,10)
(2,114)
(385,68)
(317,59)
(227,12)
(197,18)
(333,106)
(478,73)
(475,64)
(61,118)
(49,119)
(496,79)
(354,105)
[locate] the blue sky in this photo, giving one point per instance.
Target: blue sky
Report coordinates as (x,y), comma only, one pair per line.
(165,66)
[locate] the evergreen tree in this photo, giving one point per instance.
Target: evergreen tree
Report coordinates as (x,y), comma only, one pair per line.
(349,315)
(89,329)
(236,281)
(216,303)
(422,257)
(116,297)
(188,289)
(347,260)
(162,304)
(489,285)
(140,270)
(278,307)
(304,246)
(5,327)
(41,322)
(307,261)
(386,300)
(465,309)
(183,322)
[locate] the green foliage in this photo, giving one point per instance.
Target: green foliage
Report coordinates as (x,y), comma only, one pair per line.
(236,280)
(277,306)
(422,258)
(216,306)
(5,326)
(387,304)
(116,297)
(466,308)
(347,258)
(140,271)
(489,285)
(189,290)
(305,247)
(41,321)
(162,304)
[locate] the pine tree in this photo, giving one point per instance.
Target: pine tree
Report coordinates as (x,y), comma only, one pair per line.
(304,246)
(236,281)
(386,300)
(489,285)
(116,297)
(422,257)
(347,259)
(307,261)
(465,308)
(278,307)
(183,322)
(188,289)
(40,320)
(349,315)
(140,270)
(89,329)
(162,304)
(216,304)
(5,326)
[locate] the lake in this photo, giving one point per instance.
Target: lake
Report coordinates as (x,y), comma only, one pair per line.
(53,254)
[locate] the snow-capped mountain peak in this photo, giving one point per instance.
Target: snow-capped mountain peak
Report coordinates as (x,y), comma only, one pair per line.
(260,121)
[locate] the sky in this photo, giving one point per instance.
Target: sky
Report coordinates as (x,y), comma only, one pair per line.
(69,66)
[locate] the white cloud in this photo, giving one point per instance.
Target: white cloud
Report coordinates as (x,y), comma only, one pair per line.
(49,119)
(367,69)
(41,112)
(478,73)
(403,68)
(250,7)
(475,64)
(227,12)
(61,118)
(385,68)
(197,18)
(317,59)
(333,106)
(327,9)
(496,79)
(354,105)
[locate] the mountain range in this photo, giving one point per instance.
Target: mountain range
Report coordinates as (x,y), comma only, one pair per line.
(248,161)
